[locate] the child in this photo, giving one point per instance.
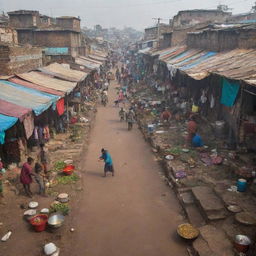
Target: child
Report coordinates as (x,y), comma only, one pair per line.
(44,158)
(39,177)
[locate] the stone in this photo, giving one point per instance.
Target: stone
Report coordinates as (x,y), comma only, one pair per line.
(208,201)
(213,242)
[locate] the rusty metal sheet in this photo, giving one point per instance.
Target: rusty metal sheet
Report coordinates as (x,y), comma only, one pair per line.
(48,81)
(64,73)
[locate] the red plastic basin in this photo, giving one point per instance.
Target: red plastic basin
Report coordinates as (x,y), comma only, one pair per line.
(39,222)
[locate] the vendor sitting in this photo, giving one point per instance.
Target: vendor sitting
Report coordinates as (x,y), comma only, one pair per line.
(166,115)
(197,141)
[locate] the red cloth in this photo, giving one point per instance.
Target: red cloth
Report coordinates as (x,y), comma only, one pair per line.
(60,106)
(25,174)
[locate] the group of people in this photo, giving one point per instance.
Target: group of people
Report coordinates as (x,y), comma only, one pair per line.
(38,171)
(129,117)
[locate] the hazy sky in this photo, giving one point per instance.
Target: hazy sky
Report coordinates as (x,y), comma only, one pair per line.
(120,13)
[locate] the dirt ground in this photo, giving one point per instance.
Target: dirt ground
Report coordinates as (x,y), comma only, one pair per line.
(133,213)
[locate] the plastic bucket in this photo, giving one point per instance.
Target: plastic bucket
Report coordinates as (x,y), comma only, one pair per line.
(241,185)
(39,222)
(151,128)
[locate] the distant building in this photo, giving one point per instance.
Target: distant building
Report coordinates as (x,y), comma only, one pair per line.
(59,37)
(192,17)
(242,17)
(152,32)
(224,37)
(24,19)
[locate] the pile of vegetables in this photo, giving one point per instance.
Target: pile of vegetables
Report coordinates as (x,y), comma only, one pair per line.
(64,180)
(60,207)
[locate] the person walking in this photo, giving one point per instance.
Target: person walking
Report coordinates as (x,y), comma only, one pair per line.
(26,175)
(106,157)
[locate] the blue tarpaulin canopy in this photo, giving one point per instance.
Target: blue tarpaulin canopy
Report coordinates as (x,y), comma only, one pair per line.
(5,123)
(26,97)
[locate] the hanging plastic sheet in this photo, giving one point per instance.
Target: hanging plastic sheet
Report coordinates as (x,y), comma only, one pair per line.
(28,123)
(229,92)
(6,122)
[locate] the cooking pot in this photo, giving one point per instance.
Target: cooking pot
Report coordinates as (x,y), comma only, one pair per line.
(242,243)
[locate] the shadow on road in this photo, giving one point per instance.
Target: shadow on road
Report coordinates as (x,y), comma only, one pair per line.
(92,173)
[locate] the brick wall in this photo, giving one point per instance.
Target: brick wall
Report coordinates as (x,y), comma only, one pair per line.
(17,59)
(8,35)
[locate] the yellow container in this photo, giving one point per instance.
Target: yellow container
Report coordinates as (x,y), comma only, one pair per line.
(195,108)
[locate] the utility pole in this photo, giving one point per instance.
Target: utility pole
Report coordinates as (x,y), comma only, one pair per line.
(158,31)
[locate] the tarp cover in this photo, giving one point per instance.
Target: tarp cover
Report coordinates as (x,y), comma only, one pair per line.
(48,81)
(5,123)
(37,101)
(14,110)
(229,92)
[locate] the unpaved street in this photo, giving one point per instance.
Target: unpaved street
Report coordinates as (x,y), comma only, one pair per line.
(131,214)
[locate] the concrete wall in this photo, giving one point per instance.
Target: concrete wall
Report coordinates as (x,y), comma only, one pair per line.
(8,35)
(69,23)
(17,59)
(221,40)
(179,35)
(193,17)
(151,33)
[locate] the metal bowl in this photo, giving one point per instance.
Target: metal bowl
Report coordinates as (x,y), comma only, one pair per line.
(56,220)
(192,234)
(242,243)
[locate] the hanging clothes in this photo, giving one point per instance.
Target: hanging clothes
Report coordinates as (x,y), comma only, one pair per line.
(212,101)
(60,106)
(28,123)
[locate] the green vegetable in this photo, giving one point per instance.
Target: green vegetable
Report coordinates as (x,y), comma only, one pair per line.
(174,151)
(59,207)
(60,165)
(64,180)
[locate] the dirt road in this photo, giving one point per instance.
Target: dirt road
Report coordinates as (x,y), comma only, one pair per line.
(131,214)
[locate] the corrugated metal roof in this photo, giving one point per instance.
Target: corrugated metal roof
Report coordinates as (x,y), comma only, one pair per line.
(35,86)
(96,57)
(59,71)
(47,81)
(91,60)
(238,64)
(88,64)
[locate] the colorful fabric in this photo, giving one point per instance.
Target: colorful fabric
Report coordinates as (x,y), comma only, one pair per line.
(229,92)
(25,174)
(60,106)
(28,125)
